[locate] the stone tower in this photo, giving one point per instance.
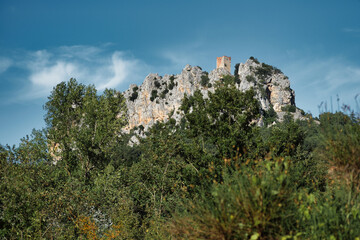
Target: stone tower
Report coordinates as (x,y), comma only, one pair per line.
(224,62)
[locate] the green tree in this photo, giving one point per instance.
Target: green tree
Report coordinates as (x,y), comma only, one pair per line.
(32,149)
(84,126)
(225,116)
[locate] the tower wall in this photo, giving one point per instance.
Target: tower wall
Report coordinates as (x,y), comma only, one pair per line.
(224,62)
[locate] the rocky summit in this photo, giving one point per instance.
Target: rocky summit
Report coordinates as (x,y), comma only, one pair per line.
(159,96)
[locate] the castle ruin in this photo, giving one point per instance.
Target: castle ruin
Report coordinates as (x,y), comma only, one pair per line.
(224,62)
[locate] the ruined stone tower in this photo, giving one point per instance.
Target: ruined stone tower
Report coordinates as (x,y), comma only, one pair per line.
(224,62)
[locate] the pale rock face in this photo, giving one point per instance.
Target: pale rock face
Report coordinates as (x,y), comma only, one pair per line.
(169,90)
(273,90)
(143,111)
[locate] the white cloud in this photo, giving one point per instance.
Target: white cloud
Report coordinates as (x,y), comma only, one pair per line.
(46,78)
(88,64)
(352,30)
(320,80)
(5,63)
(177,58)
(80,51)
(121,69)
(191,53)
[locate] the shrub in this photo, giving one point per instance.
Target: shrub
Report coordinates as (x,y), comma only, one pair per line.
(153,95)
(236,70)
(340,144)
(163,93)
(276,70)
(204,80)
(228,80)
(249,204)
(289,108)
(264,71)
(157,84)
(254,59)
(251,78)
(172,83)
(236,74)
(333,214)
(134,96)
(270,116)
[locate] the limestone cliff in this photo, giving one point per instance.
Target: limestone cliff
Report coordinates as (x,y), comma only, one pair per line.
(159,96)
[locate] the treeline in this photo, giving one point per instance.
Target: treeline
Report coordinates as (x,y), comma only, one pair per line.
(214,175)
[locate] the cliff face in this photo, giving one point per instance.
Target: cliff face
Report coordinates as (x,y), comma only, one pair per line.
(159,96)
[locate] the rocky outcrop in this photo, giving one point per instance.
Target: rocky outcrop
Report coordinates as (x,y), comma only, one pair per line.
(272,87)
(161,96)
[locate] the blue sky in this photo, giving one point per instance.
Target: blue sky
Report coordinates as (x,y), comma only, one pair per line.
(115,43)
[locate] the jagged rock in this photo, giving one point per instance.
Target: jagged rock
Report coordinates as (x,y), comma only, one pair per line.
(273,90)
(158,97)
(217,74)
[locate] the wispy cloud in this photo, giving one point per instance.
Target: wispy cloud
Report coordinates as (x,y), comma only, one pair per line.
(121,69)
(5,63)
(351,30)
(177,59)
(187,53)
(318,80)
(43,80)
(88,64)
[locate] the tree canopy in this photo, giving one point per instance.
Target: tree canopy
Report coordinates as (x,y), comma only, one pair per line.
(214,174)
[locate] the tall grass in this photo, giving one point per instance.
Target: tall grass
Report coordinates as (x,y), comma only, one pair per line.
(250,203)
(269,200)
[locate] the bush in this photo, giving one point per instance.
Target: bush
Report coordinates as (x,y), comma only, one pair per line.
(251,78)
(236,74)
(335,212)
(249,204)
(340,144)
(134,96)
(153,95)
(266,70)
(204,80)
(270,116)
(255,60)
(214,175)
(157,84)
(289,108)
(163,93)
(276,70)
(172,83)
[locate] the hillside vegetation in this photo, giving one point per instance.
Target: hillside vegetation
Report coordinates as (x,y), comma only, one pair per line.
(214,175)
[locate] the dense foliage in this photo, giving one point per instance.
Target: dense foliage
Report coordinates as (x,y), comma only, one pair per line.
(213,175)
